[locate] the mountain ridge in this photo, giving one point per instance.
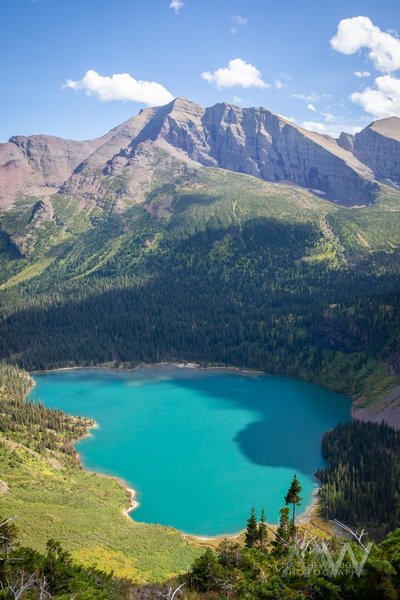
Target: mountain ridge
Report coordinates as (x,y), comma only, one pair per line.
(252,141)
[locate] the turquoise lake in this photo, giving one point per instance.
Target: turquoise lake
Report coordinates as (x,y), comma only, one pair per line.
(200,447)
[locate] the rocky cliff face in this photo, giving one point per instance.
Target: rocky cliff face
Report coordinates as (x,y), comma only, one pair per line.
(38,165)
(124,164)
(378,146)
(346,141)
(259,143)
(277,150)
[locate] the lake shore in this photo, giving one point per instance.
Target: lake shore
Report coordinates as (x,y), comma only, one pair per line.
(387,410)
(304,517)
(133,503)
(180,365)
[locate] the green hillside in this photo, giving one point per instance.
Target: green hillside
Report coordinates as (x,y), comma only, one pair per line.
(44,486)
(215,267)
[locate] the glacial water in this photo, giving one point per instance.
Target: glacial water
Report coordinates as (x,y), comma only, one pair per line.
(200,447)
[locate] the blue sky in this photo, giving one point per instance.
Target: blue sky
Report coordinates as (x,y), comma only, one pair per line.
(287,62)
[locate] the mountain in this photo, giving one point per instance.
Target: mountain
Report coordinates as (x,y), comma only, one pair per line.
(378,146)
(198,234)
(38,165)
(121,165)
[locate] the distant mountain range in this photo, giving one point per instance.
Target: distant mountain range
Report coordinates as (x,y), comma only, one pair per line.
(121,165)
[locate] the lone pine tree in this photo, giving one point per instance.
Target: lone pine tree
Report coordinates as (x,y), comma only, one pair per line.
(293,496)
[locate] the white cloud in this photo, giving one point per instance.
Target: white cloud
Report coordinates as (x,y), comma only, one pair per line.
(238,22)
(361,74)
(381,101)
(329,117)
(305,97)
(359,32)
(311,97)
(334,130)
(176,5)
(120,86)
(240,100)
(315,126)
(278,84)
(237,73)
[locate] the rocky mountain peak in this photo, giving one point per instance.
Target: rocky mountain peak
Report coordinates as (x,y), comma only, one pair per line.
(378,146)
(389,127)
(253,141)
(258,142)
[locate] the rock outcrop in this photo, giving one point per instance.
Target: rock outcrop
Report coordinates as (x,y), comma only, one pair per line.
(378,146)
(346,141)
(42,212)
(260,143)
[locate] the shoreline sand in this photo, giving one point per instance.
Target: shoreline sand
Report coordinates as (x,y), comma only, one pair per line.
(180,365)
(305,516)
(133,503)
(301,519)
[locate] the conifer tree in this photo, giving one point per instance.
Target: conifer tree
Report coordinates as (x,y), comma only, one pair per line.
(262,531)
(251,536)
(206,571)
(293,495)
(283,532)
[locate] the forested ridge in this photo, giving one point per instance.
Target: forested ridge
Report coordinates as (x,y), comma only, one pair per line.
(361,484)
(32,424)
(244,297)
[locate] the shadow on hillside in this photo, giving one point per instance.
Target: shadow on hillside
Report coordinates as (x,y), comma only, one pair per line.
(211,298)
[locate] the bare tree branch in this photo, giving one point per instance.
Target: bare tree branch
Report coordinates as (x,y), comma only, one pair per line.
(7,520)
(23,585)
(172,593)
(357,535)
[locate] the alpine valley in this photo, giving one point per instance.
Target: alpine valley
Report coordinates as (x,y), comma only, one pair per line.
(219,236)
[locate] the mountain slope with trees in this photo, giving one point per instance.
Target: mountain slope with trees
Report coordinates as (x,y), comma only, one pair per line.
(361,485)
(221,236)
(215,267)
